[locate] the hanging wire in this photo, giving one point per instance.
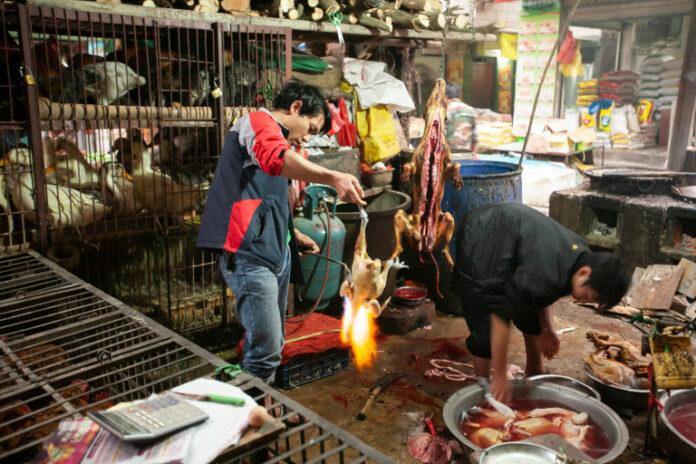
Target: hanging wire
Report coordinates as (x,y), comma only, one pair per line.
(561,38)
(443,49)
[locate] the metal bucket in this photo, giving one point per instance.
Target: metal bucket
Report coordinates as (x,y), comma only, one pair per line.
(379,231)
(671,440)
(599,413)
(380,228)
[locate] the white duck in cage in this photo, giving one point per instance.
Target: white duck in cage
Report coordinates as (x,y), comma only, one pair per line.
(158,192)
(70,168)
(67,206)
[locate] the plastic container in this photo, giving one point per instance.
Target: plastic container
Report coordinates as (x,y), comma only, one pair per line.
(307,368)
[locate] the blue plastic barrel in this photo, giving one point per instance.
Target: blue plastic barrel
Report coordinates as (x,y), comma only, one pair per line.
(485,183)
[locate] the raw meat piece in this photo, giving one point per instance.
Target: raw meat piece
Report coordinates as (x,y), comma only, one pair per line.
(535,426)
(486,437)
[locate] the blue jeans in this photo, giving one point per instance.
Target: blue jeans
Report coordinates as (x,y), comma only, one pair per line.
(261,301)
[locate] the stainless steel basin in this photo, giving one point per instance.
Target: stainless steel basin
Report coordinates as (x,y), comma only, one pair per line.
(566,381)
(599,413)
(620,396)
(671,440)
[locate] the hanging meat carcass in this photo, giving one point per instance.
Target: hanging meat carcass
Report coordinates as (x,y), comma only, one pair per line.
(428,228)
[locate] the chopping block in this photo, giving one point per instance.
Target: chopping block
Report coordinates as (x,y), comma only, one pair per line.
(399,320)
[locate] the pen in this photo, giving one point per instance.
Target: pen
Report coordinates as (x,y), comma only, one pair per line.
(214,398)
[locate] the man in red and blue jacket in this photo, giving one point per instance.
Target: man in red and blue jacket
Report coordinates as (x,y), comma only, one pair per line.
(248,219)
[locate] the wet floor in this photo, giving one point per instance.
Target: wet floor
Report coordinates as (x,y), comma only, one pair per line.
(399,411)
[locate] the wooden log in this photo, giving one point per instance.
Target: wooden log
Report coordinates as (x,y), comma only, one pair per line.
(402,18)
(109,2)
(368,21)
(318,14)
(329,6)
(281,8)
(458,22)
(438,21)
(418,5)
(235,5)
(369,4)
(350,18)
(312,3)
(297,12)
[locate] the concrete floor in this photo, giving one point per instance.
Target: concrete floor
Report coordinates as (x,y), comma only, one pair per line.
(400,410)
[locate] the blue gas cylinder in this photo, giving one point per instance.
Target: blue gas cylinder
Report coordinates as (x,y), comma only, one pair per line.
(319,222)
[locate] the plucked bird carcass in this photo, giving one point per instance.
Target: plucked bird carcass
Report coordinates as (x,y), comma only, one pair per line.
(617,361)
(368,276)
(428,228)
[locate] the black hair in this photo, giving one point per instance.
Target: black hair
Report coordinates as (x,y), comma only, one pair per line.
(610,277)
(313,102)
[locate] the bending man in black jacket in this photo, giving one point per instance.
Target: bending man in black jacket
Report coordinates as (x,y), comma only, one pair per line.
(512,263)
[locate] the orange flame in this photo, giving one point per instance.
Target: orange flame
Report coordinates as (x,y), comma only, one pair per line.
(358,329)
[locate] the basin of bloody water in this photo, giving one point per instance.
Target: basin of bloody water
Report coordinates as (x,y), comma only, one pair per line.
(683,418)
(596,443)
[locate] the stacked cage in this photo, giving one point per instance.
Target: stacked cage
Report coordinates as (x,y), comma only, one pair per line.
(128,118)
(67,348)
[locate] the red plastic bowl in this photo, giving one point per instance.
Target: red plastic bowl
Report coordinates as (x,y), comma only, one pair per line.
(409,296)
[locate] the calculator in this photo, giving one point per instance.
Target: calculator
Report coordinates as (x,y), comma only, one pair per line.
(150,419)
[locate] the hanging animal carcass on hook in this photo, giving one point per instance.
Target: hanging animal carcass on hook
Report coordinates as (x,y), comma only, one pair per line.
(427,227)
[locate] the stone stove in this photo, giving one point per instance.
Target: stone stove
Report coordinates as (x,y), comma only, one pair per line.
(632,213)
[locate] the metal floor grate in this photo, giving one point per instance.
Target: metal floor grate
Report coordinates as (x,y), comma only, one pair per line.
(68,348)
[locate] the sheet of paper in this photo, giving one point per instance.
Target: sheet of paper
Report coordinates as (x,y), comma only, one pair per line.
(225,425)
(108,448)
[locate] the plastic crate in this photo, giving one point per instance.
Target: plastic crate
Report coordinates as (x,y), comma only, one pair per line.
(310,367)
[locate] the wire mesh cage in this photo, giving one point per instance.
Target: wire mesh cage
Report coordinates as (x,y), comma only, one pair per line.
(18,214)
(110,174)
(68,348)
